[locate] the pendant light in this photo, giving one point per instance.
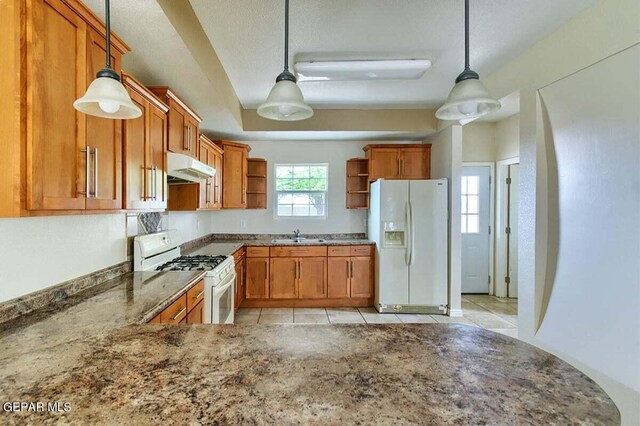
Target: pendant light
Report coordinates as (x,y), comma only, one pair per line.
(106,97)
(468,99)
(285,101)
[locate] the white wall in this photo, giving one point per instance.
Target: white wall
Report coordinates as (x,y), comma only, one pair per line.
(479,141)
(339,219)
(611,26)
(446,162)
(40,252)
(507,138)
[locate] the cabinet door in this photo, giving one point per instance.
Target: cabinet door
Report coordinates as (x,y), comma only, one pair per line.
(192,137)
(196,315)
(234,178)
(385,164)
(104,137)
(216,203)
(136,171)
(205,155)
(157,152)
(283,281)
(312,277)
(257,283)
(361,276)
(57,76)
(415,163)
(240,283)
(338,274)
(177,125)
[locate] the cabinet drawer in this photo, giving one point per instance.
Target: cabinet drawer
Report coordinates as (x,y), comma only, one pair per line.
(305,251)
(195,295)
(362,251)
(176,312)
(339,251)
(257,251)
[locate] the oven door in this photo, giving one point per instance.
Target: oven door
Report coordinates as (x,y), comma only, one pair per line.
(222,301)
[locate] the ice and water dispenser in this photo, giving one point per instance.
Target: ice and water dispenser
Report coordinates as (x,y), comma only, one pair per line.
(394,235)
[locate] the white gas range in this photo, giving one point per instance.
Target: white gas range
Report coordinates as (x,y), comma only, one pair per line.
(161,252)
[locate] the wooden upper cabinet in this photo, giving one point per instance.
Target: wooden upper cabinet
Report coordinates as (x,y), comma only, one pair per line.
(144,150)
(399,161)
(104,137)
(210,154)
(54,158)
(234,174)
(183,123)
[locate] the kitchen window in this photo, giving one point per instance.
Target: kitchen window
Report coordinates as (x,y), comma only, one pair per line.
(470,205)
(301,190)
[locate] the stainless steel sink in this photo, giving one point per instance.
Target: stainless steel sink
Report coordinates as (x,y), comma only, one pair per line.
(298,241)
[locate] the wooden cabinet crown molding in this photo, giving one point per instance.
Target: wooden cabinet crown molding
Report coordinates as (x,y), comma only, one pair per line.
(165,93)
(396,146)
(223,143)
(134,84)
(213,146)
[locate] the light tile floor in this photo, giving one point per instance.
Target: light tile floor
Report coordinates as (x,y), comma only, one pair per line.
(490,312)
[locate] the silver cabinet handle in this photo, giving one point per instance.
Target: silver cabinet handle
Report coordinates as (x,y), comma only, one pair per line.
(399,168)
(351,269)
(178,314)
(87,153)
(95,172)
(348,269)
(154,170)
(199,295)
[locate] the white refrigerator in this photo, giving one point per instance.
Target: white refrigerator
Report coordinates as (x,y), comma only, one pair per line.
(408,221)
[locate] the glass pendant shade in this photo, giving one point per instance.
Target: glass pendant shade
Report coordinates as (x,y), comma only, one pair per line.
(285,103)
(468,100)
(106,97)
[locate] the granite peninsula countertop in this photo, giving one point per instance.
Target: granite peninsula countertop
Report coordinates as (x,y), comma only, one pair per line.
(294,374)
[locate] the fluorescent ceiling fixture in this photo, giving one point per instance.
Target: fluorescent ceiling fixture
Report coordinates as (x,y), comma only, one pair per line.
(393,69)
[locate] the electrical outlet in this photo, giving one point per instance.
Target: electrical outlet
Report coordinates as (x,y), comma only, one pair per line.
(243,223)
(197,225)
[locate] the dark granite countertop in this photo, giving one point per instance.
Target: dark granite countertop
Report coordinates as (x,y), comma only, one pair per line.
(293,374)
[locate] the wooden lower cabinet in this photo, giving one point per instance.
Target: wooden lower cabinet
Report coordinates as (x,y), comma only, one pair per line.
(283,278)
(339,280)
(257,278)
(361,273)
(312,278)
(187,309)
(196,316)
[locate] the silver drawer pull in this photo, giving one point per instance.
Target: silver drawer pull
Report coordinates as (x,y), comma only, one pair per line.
(178,314)
(199,295)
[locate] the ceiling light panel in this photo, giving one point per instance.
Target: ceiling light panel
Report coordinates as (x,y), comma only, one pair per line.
(397,69)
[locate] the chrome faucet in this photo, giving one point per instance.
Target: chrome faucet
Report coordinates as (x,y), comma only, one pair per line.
(296,236)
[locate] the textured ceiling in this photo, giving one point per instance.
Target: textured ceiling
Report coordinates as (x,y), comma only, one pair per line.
(248,37)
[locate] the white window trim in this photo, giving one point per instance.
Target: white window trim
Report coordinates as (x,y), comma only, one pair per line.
(275,193)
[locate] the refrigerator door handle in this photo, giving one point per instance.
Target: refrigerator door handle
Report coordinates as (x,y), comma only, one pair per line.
(412,231)
(408,254)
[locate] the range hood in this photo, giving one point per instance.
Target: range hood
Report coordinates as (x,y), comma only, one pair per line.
(184,169)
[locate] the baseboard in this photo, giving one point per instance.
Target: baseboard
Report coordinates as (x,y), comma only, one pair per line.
(308,303)
(455,312)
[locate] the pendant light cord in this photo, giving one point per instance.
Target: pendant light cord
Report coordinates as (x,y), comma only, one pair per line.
(286,34)
(466,34)
(108,25)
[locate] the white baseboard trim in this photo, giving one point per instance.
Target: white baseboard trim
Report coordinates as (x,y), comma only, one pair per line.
(455,312)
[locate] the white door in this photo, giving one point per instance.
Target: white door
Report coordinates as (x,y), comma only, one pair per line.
(512,235)
(428,242)
(476,208)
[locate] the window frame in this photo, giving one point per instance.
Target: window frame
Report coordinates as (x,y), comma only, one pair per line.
(464,212)
(276,192)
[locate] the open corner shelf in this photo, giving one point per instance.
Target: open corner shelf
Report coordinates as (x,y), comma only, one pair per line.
(256,183)
(358,183)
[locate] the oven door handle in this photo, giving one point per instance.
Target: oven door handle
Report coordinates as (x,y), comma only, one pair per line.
(226,284)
